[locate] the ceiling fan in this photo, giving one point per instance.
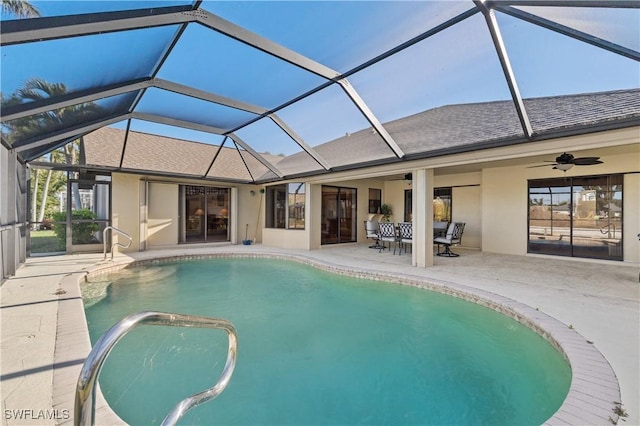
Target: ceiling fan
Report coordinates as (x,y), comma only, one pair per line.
(565,161)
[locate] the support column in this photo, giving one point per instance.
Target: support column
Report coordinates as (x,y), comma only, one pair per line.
(422,218)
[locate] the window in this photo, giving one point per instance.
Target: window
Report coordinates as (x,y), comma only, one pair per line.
(285,206)
(375,200)
(576,216)
(441,205)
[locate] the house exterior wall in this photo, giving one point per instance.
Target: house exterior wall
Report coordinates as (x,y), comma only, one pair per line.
(631,219)
(162,220)
(505,202)
(157,224)
(466,204)
(125,191)
(492,202)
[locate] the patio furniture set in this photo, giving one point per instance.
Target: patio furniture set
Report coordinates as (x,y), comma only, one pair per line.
(400,234)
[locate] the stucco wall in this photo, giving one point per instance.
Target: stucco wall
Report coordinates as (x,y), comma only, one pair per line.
(631,220)
(504,203)
(466,204)
(162,221)
(124,203)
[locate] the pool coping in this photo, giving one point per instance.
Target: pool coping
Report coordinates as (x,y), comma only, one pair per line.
(593,397)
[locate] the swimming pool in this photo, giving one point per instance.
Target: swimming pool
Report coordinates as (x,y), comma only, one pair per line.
(319,348)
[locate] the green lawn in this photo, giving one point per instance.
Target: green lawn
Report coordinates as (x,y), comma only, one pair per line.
(46,242)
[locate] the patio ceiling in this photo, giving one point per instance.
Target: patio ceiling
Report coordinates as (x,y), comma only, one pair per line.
(263,91)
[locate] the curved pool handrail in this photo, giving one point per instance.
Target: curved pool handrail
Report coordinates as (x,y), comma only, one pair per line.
(85,400)
(104,240)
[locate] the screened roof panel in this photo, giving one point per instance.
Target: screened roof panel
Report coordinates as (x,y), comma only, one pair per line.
(255,167)
(334,115)
(229,164)
(547,63)
(43,124)
(447,68)
(209,61)
(341,35)
(265,136)
(151,152)
(86,62)
(168,104)
(104,147)
(59,8)
(422,79)
(177,133)
(617,25)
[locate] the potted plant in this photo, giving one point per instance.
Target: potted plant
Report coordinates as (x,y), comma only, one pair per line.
(385,211)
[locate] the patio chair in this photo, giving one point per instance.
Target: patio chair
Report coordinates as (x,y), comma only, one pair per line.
(440,228)
(387,234)
(453,236)
(371,230)
(405,235)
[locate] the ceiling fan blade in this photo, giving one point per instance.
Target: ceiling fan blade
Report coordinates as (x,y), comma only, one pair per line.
(586,161)
(542,165)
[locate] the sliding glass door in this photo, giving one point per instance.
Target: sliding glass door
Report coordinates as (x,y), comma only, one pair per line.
(338,215)
(205,212)
(579,217)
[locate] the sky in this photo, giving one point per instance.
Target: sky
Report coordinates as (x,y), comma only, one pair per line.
(458,65)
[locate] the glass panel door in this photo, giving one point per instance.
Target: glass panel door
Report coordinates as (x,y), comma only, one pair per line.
(579,217)
(195,216)
(347,215)
(217,214)
(205,210)
(550,218)
(597,219)
(329,227)
(338,215)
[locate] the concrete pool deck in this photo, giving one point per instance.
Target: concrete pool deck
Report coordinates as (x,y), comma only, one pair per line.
(599,300)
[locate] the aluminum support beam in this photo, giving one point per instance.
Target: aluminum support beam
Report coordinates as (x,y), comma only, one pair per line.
(308,149)
(501,50)
(570,32)
(178,123)
(30,30)
(207,96)
(257,156)
(213,160)
(373,120)
(247,37)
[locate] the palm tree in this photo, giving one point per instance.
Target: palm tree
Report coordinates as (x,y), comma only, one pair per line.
(20,8)
(23,128)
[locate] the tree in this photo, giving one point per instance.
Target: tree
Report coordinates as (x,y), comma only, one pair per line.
(45,122)
(20,8)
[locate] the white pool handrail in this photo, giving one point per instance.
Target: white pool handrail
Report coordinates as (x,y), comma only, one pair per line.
(104,240)
(84,411)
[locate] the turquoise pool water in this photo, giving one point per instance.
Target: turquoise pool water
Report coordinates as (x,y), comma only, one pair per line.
(317,348)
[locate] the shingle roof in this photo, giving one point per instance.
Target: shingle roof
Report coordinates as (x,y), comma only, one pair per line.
(462,127)
(436,131)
